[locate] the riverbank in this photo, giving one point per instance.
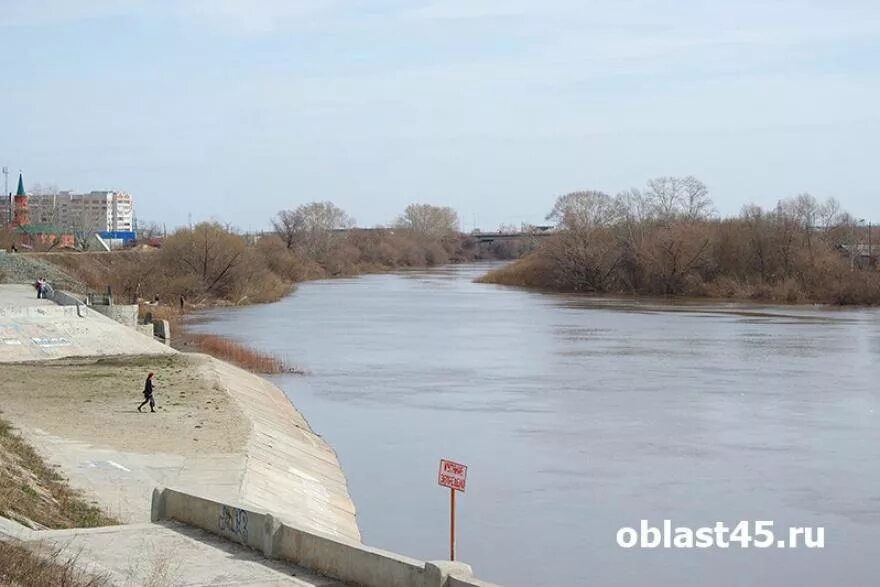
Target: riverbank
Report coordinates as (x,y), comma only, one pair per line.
(691,264)
(219,430)
(211,265)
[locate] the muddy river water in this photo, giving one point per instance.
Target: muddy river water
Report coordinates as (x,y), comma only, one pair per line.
(579,416)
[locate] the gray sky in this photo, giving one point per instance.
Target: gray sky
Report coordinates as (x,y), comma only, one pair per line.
(234,109)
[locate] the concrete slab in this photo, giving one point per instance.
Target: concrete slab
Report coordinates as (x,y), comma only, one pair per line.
(21,296)
(123,481)
(174,554)
(37,330)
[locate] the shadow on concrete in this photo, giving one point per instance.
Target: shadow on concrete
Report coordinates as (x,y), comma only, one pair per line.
(240,552)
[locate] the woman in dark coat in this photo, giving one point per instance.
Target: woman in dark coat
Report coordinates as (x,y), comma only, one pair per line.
(148,394)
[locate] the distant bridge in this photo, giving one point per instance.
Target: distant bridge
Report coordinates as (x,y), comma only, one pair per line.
(491,237)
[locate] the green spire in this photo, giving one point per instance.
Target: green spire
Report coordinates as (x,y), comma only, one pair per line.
(20,191)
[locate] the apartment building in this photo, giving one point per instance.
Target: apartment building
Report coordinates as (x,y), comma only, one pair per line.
(97,211)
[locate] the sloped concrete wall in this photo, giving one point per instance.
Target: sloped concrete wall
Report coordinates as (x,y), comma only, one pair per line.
(290,471)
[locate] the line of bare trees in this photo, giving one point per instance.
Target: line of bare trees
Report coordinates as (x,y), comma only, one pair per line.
(210,261)
(323,235)
(666,240)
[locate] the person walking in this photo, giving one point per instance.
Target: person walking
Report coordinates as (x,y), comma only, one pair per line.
(40,285)
(148,394)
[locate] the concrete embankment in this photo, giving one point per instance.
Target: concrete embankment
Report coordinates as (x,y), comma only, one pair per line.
(280,465)
(221,433)
(288,469)
(37,330)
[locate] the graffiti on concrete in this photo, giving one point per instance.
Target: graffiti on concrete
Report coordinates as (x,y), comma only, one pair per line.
(51,342)
(234,520)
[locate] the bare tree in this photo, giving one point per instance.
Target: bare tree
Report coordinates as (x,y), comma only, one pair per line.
(583,260)
(673,197)
(285,225)
(148,230)
(673,252)
(759,233)
(666,195)
(829,213)
(633,205)
(428,220)
(583,210)
(311,228)
(208,253)
(697,203)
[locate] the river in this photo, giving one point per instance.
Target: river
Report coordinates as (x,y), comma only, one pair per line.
(578,416)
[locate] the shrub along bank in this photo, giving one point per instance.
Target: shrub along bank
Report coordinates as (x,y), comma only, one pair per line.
(664,241)
(209,264)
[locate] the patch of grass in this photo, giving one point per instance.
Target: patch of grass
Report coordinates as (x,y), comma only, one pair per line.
(243,356)
(94,376)
(24,567)
(32,490)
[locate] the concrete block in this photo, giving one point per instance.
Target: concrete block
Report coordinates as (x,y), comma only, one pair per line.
(162,330)
(349,562)
(437,572)
(233,523)
(271,536)
(124,314)
(157,510)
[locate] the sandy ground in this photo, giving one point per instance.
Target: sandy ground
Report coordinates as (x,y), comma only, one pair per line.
(96,401)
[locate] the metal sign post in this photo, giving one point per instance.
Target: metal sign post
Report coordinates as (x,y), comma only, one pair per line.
(454,476)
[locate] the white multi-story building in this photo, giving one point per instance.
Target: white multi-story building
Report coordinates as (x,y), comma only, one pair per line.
(98,211)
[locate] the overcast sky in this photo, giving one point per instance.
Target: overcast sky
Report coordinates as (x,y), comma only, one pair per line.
(234,109)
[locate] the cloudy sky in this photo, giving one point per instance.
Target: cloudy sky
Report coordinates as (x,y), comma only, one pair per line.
(234,109)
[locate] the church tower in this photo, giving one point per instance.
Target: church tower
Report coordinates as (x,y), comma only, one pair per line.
(20,215)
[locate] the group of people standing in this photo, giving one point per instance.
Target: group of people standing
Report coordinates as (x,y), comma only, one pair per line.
(43,288)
